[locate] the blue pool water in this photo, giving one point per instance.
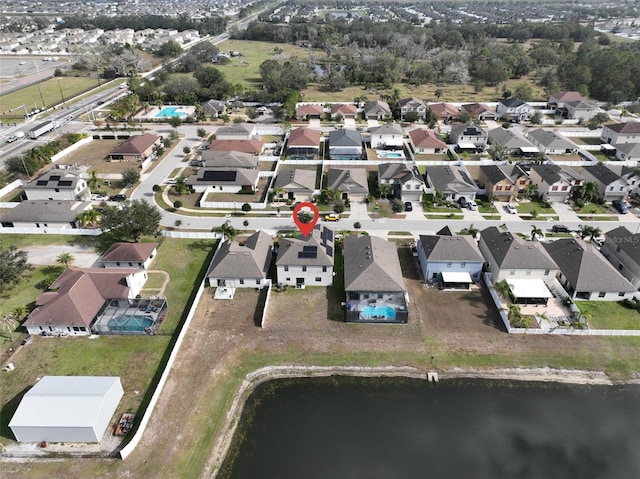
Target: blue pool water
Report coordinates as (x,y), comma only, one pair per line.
(389,154)
(169,112)
(130,323)
(378,312)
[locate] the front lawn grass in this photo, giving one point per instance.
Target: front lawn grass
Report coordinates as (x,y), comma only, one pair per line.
(533,205)
(598,218)
(592,208)
(610,315)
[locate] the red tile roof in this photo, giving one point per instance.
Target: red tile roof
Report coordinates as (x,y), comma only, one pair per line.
(422,138)
(136,144)
(304,137)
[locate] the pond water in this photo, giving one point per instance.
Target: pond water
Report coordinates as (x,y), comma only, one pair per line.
(342,427)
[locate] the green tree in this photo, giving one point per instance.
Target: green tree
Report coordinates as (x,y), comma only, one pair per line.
(590,191)
(516,318)
(89,217)
(186,150)
(385,188)
(201,132)
(181,187)
(338,207)
(226,230)
(9,324)
(504,290)
(246,208)
(396,205)
(132,219)
(169,49)
(13,265)
(94,182)
(65,259)
(130,176)
(536,233)
(175,121)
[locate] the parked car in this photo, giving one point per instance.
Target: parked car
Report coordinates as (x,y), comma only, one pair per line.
(26,340)
(560,229)
(195,163)
(99,198)
(408,206)
(511,209)
(11,139)
(118,198)
(332,217)
(620,206)
(172,181)
(473,206)
(463,202)
(598,240)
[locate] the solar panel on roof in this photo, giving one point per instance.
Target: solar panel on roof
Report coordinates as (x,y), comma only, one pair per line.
(42,183)
(54,177)
(65,183)
(216,175)
(307,254)
(309,248)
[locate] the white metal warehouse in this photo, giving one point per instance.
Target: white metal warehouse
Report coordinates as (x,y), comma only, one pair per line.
(67,409)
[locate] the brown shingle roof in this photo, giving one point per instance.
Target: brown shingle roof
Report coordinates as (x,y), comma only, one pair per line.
(422,138)
(136,144)
(304,137)
(253,147)
(137,252)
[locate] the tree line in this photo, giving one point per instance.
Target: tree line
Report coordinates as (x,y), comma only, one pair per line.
(181,22)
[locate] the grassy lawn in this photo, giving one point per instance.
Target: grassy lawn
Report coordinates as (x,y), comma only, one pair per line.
(23,241)
(592,208)
(50,89)
(380,207)
(450,216)
(529,206)
(610,315)
(94,154)
(598,218)
(134,359)
(491,217)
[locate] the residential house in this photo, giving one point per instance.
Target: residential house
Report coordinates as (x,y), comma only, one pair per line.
(387,137)
(74,300)
(252,147)
(57,185)
(611,185)
(295,184)
(479,111)
(468,137)
(412,105)
(504,182)
(229,159)
(444,111)
(303,144)
(44,214)
(617,133)
(238,131)
(629,174)
(406,181)
(582,110)
(551,143)
(373,282)
(558,100)
(512,142)
(343,111)
(453,181)
(309,112)
(351,182)
(224,180)
(555,182)
(622,249)
(307,260)
(453,261)
(426,142)
(628,151)
(129,255)
(514,110)
(213,108)
(525,265)
(377,110)
(585,274)
(345,144)
(136,148)
(243,265)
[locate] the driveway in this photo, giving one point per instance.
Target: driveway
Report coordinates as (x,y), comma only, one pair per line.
(504,214)
(359,211)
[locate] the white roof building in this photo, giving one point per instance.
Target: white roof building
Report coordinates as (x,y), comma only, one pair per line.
(67,409)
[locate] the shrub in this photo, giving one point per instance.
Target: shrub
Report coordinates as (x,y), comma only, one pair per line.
(396,205)
(579,203)
(177,204)
(357,225)
(156,188)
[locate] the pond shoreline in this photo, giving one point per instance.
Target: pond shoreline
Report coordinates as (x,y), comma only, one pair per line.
(262,375)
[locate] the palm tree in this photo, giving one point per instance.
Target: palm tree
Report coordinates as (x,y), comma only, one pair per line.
(9,324)
(536,233)
(181,186)
(385,188)
(88,217)
(503,289)
(65,259)
(516,318)
(226,230)
(19,313)
(585,230)
(590,191)
(278,193)
(531,190)
(595,231)
(94,182)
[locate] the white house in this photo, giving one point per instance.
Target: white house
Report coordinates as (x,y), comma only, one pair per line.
(67,409)
(468,137)
(454,261)
(426,142)
(307,260)
(129,255)
(555,182)
(44,214)
(551,143)
(224,180)
(238,131)
(57,185)
(622,249)
(612,186)
(406,182)
(618,133)
(412,105)
(388,136)
(514,110)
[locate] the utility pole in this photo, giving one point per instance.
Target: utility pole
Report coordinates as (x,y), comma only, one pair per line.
(60,87)
(44,105)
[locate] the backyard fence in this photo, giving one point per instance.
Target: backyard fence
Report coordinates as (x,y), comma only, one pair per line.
(51,231)
(191,234)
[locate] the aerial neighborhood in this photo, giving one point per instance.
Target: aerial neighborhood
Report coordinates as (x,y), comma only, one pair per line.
(149,247)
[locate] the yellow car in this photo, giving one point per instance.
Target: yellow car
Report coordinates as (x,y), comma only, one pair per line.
(332,217)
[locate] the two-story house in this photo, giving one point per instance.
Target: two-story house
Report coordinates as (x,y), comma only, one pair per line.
(468,137)
(453,181)
(612,186)
(453,261)
(617,133)
(387,137)
(622,249)
(57,185)
(412,105)
(555,182)
(307,260)
(406,181)
(514,110)
(504,182)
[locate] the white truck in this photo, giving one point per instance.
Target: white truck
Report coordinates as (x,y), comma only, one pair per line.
(42,128)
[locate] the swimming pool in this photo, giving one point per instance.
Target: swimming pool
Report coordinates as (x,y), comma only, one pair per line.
(389,154)
(378,312)
(169,112)
(130,323)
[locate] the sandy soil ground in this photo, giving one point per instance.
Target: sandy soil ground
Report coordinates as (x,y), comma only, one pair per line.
(83,257)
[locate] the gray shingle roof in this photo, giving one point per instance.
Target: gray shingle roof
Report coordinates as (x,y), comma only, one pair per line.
(345,137)
(231,159)
(512,252)
(46,211)
(628,242)
(348,180)
(371,264)
(451,178)
(450,248)
(629,148)
(377,108)
(630,127)
(387,129)
(552,173)
(250,260)
(512,102)
(509,139)
(289,252)
(296,180)
(550,139)
(601,173)
(54,179)
(585,268)
(399,172)
(469,129)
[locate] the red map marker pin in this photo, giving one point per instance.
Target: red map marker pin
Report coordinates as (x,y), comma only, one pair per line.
(305,228)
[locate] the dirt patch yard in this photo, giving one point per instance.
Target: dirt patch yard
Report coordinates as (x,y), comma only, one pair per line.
(93,154)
